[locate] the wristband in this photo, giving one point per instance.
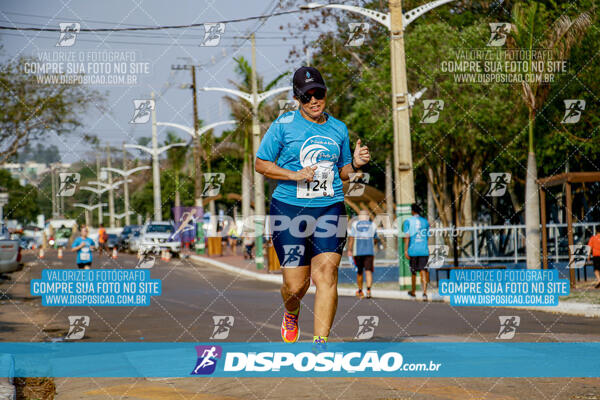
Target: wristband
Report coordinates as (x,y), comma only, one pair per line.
(352,165)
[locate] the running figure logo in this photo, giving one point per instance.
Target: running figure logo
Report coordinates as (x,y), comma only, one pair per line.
(285,106)
(437,256)
(146,261)
(223,324)
(357,183)
(141,111)
(68,183)
(573,110)
(77,325)
(431,111)
(293,255)
(508,326)
(68,33)
(358,33)
(212,34)
(366,326)
(579,254)
(499,33)
(212,184)
(207,359)
(499,184)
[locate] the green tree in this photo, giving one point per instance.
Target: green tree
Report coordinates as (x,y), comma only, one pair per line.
(32,109)
(22,204)
(533,28)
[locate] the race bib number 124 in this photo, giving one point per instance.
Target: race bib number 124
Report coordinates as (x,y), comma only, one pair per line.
(320,186)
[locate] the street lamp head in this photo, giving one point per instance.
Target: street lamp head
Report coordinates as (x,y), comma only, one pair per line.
(311,6)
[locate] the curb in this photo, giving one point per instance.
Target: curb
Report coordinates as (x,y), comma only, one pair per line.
(571,308)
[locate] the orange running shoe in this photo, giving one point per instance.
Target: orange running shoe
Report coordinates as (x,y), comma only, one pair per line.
(289,327)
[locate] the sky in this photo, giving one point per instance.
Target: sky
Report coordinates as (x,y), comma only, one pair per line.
(156,50)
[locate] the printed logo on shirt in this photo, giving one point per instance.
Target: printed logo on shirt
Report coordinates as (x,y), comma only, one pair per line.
(319,150)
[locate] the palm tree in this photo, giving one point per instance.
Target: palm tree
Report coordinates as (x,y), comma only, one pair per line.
(530,30)
(242,112)
(176,158)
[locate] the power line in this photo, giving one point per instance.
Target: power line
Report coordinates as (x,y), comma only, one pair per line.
(152,28)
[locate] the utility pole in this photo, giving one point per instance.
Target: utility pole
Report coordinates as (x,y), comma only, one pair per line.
(259,183)
(155,168)
(196,136)
(100,216)
(126,188)
(405,194)
(111,197)
(53,185)
(197,148)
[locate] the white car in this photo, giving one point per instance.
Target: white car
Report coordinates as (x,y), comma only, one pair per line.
(157,236)
(10,252)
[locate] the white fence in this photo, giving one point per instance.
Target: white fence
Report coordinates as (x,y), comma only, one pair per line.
(506,243)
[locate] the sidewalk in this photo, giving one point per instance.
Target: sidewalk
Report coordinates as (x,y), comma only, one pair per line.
(247,268)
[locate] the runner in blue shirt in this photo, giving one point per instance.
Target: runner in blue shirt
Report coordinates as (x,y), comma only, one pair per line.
(83,245)
(361,249)
(308,152)
(416,249)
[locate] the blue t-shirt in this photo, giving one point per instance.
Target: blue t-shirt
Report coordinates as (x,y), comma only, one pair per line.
(363,232)
(417,228)
(84,255)
(293,143)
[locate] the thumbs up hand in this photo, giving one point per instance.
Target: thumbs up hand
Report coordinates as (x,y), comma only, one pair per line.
(361,154)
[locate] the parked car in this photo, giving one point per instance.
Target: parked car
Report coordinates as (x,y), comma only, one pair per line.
(134,241)
(112,241)
(157,236)
(10,252)
(128,230)
(26,242)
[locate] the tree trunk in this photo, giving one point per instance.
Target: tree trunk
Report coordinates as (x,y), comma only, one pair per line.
(246,188)
(532,214)
(177,197)
(430,201)
(391,250)
(467,213)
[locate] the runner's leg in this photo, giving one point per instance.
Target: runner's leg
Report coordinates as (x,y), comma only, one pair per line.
(324,268)
(369,275)
(296,282)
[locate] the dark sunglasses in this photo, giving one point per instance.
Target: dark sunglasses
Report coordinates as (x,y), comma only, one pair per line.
(318,94)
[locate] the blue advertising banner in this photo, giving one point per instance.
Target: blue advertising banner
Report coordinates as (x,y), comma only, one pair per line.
(356,359)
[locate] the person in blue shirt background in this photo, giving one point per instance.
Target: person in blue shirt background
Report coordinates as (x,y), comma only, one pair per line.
(361,249)
(83,245)
(308,152)
(416,247)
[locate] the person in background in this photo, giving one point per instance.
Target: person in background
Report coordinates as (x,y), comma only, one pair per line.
(361,248)
(102,239)
(83,245)
(594,254)
(416,249)
(248,245)
(232,238)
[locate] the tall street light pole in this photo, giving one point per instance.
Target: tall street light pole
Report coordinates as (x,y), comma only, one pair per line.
(196,134)
(155,151)
(125,174)
(88,209)
(259,197)
(396,22)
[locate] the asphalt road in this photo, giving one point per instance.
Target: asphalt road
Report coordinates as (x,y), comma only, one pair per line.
(192,294)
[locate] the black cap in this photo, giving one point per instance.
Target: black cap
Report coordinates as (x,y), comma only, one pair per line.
(306,78)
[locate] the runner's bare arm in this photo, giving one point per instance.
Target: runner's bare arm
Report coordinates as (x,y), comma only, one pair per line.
(360,158)
(273,171)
